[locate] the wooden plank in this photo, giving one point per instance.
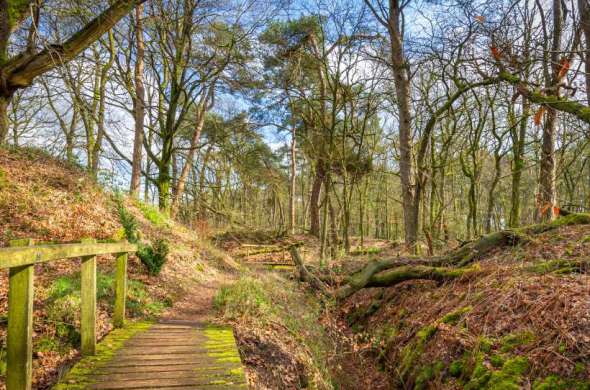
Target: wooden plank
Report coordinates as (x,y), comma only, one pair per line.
(16,257)
(156,383)
(19,352)
(120,291)
(88,303)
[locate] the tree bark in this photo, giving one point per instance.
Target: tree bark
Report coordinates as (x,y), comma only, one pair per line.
(139,104)
(4,102)
(399,66)
(547,195)
(314,201)
(200,121)
(292,181)
(21,70)
(518,142)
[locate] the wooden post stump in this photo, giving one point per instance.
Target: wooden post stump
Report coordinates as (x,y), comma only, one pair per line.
(88,295)
(120,290)
(19,352)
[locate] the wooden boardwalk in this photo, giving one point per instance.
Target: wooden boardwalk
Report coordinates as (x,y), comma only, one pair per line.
(171,355)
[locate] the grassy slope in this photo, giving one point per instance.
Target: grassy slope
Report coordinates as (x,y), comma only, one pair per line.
(49,200)
(518,323)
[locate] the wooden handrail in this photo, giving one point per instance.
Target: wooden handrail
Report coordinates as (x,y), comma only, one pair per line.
(20,258)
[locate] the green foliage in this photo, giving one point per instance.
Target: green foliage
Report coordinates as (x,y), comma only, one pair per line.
(514,340)
(152,214)
(426,333)
(366,251)
(553,382)
(63,306)
(456,368)
(272,299)
(47,344)
(128,221)
(497,360)
(509,377)
(453,317)
(245,298)
(154,256)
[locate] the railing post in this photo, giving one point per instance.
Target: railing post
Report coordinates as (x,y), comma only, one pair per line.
(88,295)
(20,325)
(120,290)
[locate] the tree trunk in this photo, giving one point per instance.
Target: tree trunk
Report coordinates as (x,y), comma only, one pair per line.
(547,195)
(399,66)
(491,200)
(547,174)
(518,141)
(292,183)
(314,201)
(200,121)
(4,102)
(163,183)
(138,104)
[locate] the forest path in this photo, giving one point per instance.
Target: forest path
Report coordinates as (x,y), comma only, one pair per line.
(174,355)
(183,350)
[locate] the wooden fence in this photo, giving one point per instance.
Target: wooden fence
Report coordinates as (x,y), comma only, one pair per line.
(20,258)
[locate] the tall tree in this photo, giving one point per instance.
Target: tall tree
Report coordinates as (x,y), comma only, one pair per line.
(18,71)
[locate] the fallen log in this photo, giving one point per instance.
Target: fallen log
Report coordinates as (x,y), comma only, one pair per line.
(305,275)
(385,273)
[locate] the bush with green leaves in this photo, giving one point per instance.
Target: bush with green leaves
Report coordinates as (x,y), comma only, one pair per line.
(154,256)
(128,221)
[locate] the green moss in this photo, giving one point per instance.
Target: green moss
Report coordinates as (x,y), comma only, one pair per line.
(511,341)
(485,344)
(426,333)
(453,317)
(424,376)
(79,377)
(553,382)
(497,360)
(366,251)
(479,377)
(221,346)
(507,378)
(456,368)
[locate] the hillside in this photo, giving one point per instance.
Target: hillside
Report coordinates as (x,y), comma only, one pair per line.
(51,201)
(519,319)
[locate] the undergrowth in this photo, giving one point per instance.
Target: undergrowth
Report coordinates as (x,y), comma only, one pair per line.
(154,255)
(270,302)
(63,300)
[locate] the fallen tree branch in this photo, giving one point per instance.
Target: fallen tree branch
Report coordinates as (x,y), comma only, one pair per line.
(305,275)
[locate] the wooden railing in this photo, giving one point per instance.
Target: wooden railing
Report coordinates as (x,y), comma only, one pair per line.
(20,258)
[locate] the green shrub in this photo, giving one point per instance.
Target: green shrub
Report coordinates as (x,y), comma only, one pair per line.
(128,221)
(154,256)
